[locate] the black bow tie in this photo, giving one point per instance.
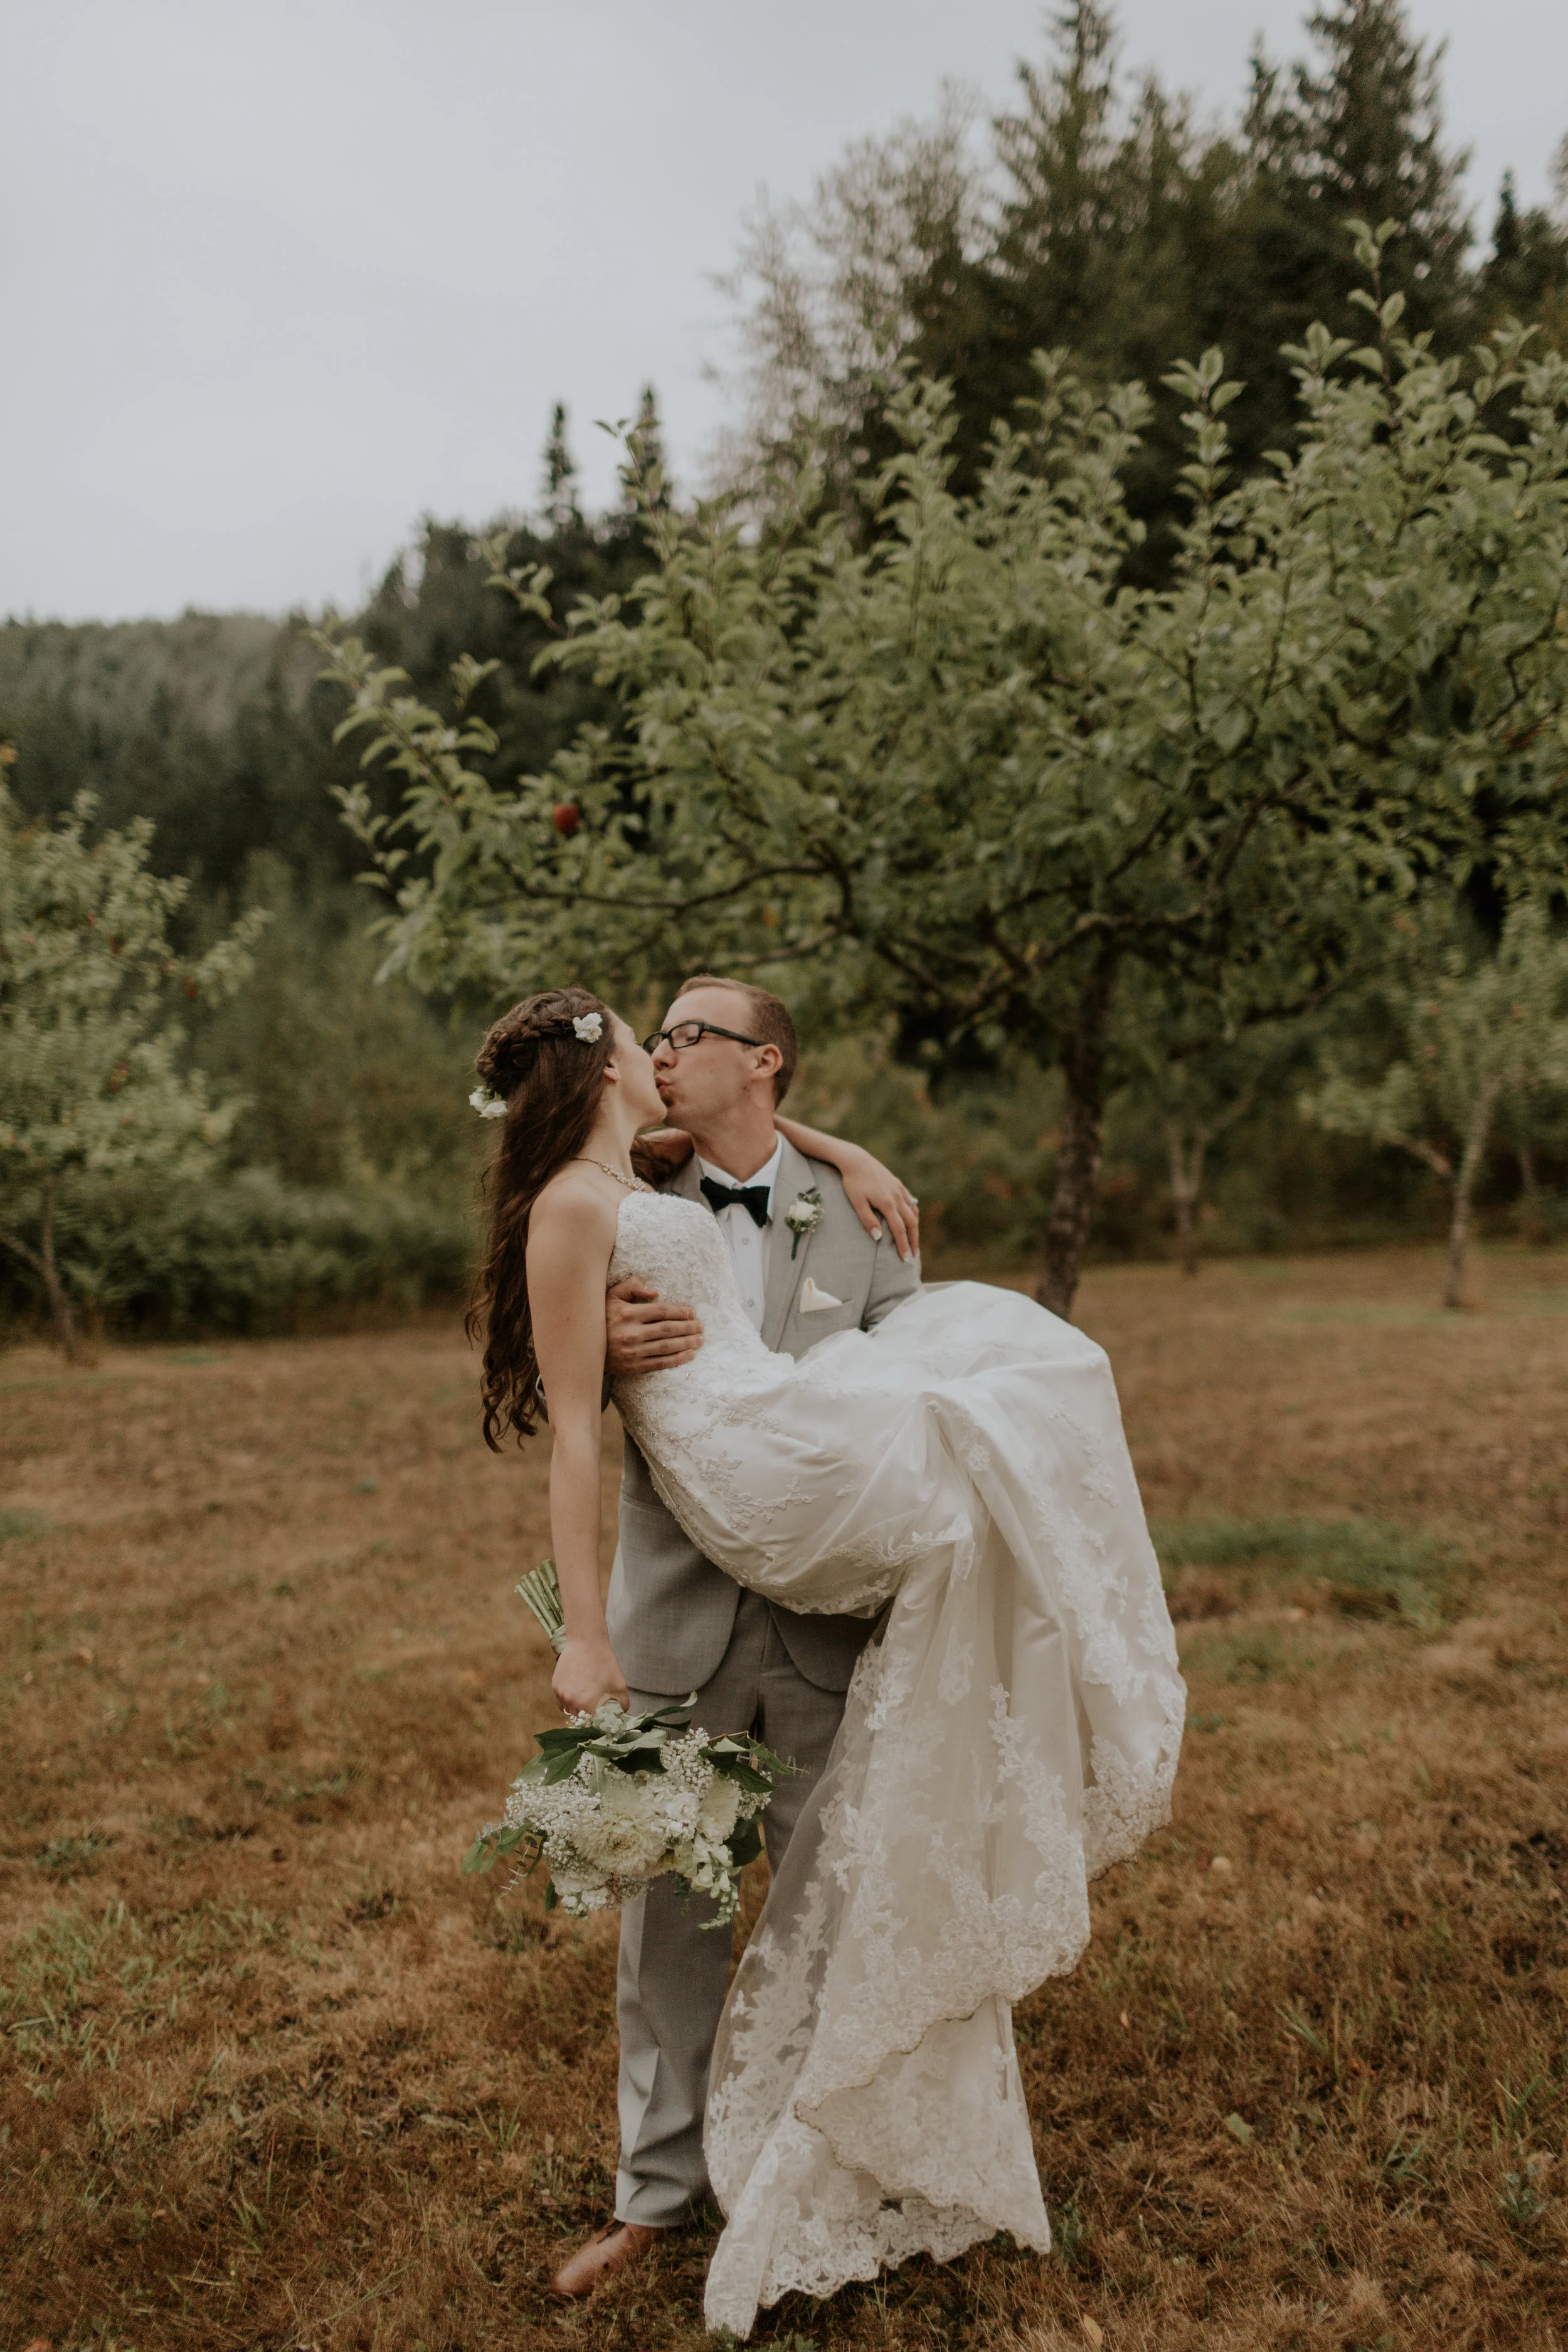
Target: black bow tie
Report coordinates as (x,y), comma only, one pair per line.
(752,1198)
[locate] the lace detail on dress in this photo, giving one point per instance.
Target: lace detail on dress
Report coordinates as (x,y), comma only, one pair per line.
(1014,1731)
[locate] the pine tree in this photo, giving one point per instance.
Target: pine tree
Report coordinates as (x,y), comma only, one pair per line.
(561,511)
(1131,234)
(1105,243)
(645,445)
(1525,276)
(1359,139)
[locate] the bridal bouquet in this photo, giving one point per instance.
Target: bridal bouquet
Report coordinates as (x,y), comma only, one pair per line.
(614,1799)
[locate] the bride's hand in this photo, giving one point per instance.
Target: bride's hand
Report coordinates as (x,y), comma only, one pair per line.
(587,1673)
(877,1198)
(875,1194)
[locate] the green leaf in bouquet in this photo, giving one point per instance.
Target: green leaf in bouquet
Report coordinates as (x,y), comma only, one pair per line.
(499,1843)
(738,1751)
(481,1855)
(745,1842)
(566,1741)
(546,1769)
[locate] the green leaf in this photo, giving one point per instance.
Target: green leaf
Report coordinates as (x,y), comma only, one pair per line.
(745,1842)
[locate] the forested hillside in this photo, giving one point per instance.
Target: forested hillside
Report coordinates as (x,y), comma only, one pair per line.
(1116,221)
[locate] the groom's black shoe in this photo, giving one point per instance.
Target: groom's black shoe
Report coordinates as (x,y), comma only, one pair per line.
(609,2250)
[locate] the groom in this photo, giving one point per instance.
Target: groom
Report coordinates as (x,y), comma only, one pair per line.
(724,1060)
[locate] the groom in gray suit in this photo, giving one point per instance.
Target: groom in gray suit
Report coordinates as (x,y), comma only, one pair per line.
(724,1060)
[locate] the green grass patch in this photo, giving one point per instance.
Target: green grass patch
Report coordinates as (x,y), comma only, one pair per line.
(1249,1653)
(1367,1567)
(72,1855)
(14,1524)
(80,1987)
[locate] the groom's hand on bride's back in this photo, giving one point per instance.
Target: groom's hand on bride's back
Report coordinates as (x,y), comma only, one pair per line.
(645,1333)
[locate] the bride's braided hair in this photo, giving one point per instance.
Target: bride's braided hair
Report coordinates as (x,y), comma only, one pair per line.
(550,1080)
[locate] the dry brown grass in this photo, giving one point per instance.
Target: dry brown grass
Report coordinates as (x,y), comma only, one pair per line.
(277,2077)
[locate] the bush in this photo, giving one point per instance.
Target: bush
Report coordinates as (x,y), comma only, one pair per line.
(250,1252)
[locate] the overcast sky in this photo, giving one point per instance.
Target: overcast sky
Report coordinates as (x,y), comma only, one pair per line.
(279,278)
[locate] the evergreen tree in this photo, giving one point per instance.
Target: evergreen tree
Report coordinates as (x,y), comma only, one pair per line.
(1129,237)
(1108,243)
(1525,276)
(1129,234)
(644,447)
(561,511)
(1361,138)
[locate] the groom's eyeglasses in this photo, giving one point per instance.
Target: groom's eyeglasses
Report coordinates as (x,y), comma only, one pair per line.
(687,1033)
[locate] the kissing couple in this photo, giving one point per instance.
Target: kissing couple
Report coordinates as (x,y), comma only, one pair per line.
(894,1531)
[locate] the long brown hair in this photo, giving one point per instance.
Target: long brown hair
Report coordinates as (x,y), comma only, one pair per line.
(550,1080)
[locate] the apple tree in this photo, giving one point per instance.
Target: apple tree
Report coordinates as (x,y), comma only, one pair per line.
(93,1072)
(934,760)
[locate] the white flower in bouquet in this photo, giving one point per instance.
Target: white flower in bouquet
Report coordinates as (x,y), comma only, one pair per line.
(614,1800)
(719,1809)
(626,1833)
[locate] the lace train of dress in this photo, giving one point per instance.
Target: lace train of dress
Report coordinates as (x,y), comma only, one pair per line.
(1013,1733)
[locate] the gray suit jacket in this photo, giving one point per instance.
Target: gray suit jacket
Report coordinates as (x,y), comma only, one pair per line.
(670,1610)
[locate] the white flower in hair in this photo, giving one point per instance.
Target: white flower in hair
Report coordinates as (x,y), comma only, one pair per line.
(590,1026)
(489,1106)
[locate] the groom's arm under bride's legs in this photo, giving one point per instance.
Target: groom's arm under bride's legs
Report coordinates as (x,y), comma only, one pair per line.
(673,1972)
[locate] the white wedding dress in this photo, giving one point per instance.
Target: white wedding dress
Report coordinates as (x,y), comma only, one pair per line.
(1014,1732)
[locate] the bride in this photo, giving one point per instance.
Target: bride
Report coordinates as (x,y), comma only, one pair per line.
(1013,1732)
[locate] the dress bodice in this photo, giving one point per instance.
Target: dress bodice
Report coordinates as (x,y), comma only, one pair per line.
(676,1246)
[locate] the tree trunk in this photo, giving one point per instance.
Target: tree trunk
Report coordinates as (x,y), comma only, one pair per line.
(1463,1186)
(65,1322)
(1186,1185)
(42,1261)
(1533,1224)
(1083,1140)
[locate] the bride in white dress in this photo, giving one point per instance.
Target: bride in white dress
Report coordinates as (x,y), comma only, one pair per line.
(1013,1732)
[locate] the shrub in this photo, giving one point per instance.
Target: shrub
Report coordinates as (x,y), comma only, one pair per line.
(249,1253)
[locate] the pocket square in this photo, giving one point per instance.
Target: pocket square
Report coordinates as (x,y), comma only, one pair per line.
(814,1301)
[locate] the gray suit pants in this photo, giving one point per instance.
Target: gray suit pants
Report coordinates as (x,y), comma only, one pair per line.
(674,1972)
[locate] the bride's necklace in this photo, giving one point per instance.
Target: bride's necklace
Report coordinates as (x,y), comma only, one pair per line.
(632,1183)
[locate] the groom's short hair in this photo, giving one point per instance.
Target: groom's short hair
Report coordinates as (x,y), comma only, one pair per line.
(767,1018)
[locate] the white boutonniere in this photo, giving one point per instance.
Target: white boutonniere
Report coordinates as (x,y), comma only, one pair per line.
(802,1216)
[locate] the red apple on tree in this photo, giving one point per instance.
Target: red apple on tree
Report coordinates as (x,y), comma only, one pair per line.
(566,818)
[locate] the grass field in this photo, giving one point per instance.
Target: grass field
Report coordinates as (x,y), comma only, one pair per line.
(277,2076)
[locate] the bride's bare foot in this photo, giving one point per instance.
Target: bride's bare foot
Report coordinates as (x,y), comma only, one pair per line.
(607,2250)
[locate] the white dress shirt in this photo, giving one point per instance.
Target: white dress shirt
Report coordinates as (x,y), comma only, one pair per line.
(749,1241)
